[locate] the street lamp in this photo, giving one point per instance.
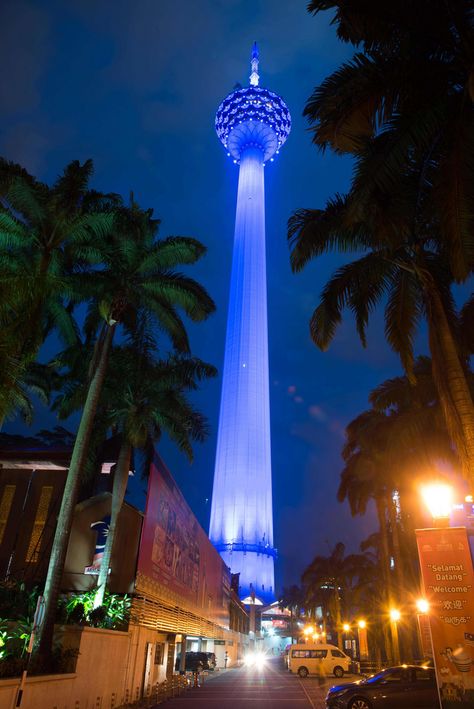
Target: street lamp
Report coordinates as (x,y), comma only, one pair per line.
(362,636)
(346,639)
(309,630)
(438,497)
(395,616)
(422,605)
(424,631)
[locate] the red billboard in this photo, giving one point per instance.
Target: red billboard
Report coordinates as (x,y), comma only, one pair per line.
(176,560)
(448,579)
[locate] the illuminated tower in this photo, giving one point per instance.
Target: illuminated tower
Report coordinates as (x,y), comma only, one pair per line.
(252,123)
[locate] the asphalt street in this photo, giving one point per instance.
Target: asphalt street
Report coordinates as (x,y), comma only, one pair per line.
(270,688)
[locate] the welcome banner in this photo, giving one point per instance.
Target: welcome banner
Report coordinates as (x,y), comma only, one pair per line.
(448,579)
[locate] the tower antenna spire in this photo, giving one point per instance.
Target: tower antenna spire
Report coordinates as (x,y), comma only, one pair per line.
(254,76)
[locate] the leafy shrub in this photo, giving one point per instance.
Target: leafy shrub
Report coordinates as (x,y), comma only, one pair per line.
(78,609)
(17,601)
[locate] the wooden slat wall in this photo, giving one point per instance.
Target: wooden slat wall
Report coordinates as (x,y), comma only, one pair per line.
(172,619)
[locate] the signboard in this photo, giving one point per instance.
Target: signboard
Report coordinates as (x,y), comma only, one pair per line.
(101,529)
(448,579)
(176,557)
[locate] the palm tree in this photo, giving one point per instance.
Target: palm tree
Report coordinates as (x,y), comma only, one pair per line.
(147,397)
(47,235)
(409,207)
(137,273)
(403,433)
(333,576)
(413,282)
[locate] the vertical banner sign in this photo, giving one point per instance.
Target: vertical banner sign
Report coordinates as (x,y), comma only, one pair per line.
(448,578)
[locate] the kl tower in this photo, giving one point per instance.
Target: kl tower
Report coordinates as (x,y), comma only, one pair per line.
(252,123)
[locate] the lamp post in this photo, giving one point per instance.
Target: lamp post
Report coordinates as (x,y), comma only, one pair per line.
(438,498)
(307,632)
(395,616)
(346,630)
(362,637)
(424,634)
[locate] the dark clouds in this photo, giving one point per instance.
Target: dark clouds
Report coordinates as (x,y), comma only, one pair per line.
(135,86)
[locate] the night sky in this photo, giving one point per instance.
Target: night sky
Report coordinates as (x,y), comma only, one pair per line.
(135,86)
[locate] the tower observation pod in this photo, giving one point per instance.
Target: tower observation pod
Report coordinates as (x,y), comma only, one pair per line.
(252,123)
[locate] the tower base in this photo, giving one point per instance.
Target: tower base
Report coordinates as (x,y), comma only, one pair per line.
(256,574)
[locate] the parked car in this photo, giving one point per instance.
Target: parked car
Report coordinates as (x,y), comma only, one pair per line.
(195,662)
(318,659)
(404,686)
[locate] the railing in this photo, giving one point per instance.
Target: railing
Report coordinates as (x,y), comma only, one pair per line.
(160,692)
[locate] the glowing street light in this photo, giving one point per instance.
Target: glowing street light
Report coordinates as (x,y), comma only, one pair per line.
(422,605)
(346,627)
(395,615)
(363,642)
(438,497)
(309,630)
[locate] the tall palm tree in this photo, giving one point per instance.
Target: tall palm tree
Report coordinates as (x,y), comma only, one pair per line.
(333,576)
(137,273)
(145,398)
(388,449)
(47,235)
(414,283)
(403,109)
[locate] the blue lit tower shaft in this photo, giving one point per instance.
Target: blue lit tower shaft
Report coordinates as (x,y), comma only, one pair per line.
(252,123)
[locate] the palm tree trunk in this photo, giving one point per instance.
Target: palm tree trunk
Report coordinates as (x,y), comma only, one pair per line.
(118,495)
(451,381)
(63,528)
(386,572)
(384,550)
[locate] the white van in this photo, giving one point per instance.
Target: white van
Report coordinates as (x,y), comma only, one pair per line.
(318,659)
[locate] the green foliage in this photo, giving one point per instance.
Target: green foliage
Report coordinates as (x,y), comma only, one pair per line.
(114,613)
(4,638)
(17,601)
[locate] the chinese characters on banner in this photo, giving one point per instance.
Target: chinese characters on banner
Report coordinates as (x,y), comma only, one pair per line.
(448,580)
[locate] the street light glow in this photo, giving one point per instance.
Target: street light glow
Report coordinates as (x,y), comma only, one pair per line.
(309,630)
(395,615)
(346,627)
(422,605)
(438,498)
(362,624)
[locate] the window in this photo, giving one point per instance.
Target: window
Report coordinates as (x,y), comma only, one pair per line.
(5,507)
(159,653)
(32,555)
(319,654)
(337,653)
(313,654)
(421,675)
(394,676)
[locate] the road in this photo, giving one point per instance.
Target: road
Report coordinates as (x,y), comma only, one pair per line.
(241,688)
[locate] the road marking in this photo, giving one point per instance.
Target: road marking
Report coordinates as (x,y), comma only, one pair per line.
(308,696)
